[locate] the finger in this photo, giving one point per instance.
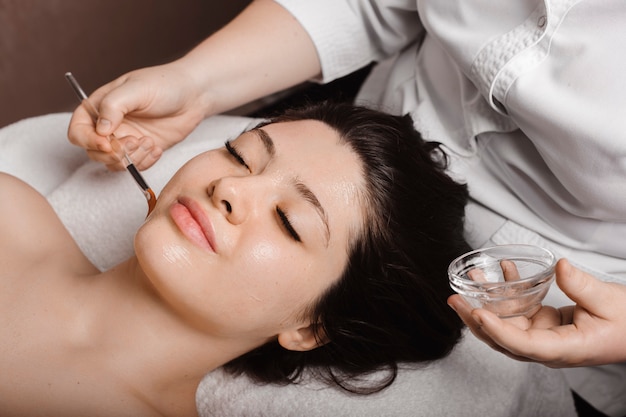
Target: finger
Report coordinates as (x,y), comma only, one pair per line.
(584,289)
(143,152)
(116,166)
(567,314)
(477,275)
(116,100)
(509,270)
(502,334)
(464,310)
(81,132)
(150,159)
(114,160)
(549,317)
(475,323)
(110,160)
(539,344)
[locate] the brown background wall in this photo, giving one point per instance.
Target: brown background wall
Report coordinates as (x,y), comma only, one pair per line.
(97,40)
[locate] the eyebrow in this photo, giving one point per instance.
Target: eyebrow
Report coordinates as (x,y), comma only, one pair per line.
(267,141)
(304,191)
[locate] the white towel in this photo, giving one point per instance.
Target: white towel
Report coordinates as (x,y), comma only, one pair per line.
(472,381)
(102,210)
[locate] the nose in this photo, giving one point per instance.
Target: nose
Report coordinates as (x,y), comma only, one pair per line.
(235,197)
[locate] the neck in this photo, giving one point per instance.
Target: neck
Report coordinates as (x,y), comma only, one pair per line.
(126,325)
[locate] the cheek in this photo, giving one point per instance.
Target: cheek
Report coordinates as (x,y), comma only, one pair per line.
(264,254)
(164,259)
(261,264)
(155,255)
(188,284)
(270,271)
(176,255)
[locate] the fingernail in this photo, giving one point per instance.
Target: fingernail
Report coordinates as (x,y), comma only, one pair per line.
(103,126)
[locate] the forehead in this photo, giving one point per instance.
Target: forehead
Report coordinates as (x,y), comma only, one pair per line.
(313,152)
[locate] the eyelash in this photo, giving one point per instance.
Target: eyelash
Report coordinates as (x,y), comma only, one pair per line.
(284,218)
(235,154)
(282,215)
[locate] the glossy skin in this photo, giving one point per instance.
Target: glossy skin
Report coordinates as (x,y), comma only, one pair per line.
(592,332)
(135,340)
(251,266)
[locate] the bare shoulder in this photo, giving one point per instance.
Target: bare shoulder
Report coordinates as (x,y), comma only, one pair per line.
(29,227)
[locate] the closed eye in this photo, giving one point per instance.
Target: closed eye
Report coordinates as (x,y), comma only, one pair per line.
(235,154)
(287,224)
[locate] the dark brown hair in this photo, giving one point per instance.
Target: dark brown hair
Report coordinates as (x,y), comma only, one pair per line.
(389,305)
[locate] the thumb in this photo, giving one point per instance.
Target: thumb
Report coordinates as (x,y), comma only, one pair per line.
(584,289)
(111,116)
(104,127)
(114,104)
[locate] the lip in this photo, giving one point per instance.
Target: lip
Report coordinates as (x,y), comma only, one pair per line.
(193,222)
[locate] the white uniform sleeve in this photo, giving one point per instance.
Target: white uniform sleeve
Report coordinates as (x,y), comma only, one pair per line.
(349,34)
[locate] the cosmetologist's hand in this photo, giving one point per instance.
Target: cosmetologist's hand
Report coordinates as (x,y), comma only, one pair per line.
(592,332)
(149,110)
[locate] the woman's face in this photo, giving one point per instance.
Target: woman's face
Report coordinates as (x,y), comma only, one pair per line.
(245,237)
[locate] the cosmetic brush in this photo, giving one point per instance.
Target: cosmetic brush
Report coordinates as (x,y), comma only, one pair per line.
(128,163)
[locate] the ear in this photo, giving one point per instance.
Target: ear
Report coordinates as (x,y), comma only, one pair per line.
(301,339)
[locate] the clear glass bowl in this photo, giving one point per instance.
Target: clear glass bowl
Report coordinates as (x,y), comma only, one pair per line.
(509,280)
